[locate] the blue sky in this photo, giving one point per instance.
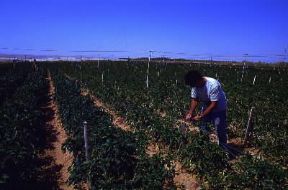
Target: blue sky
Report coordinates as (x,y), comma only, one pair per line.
(193,27)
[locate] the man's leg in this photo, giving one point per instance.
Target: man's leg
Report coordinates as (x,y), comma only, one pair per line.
(219,121)
(203,124)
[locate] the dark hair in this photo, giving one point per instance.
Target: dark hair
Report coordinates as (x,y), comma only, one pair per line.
(192,77)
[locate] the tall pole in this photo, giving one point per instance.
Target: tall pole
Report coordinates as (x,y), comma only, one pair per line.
(86,146)
(244,65)
(286,54)
(148,66)
(249,126)
(85,140)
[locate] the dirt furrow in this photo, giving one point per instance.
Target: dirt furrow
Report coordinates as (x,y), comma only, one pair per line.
(62,159)
(117,120)
(183,179)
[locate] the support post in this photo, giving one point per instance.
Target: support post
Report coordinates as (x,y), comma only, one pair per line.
(249,127)
(148,66)
(86,140)
(254,80)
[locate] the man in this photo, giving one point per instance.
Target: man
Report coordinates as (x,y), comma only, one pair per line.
(209,92)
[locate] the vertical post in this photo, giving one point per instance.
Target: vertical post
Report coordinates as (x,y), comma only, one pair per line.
(147,77)
(85,134)
(86,140)
(285,54)
(102,77)
(81,71)
(249,127)
(34,65)
(14,63)
(243,71)
(254,80)
(269,79)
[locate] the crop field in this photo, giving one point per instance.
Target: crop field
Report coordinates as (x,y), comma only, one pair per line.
(132,112)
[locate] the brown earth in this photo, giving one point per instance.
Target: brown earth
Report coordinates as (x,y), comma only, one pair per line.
(64,160)
(117,120)
(183,179)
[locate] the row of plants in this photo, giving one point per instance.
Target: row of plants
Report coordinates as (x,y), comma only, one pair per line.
(23,137)
(117,159)
(161,130)
(5,67)
(168,94)
(122,85)
(11,77)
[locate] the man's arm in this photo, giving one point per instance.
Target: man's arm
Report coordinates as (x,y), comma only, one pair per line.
(208,110)
(192,108)
(214,97)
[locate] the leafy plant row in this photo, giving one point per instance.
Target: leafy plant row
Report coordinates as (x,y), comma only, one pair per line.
(168,94)
(12,76)
(117,158)
(23,136)
(161,130)
(125,92)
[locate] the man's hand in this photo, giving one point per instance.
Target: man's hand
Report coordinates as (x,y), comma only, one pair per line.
(188,116)
(197,117)
(193,105)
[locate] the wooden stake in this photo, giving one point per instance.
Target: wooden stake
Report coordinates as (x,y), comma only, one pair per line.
(243,71)
(86,140)
(270,80)
(86,151)
(254,80)
(148,66)
(249,127)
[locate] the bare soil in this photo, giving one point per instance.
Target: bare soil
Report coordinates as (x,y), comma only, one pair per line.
(117,120)
(152,149)
(64,160)
(183,179)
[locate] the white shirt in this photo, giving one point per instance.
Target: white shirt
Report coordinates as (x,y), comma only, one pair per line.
(211,91)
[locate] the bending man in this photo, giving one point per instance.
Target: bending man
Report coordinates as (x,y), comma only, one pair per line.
(209,93)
